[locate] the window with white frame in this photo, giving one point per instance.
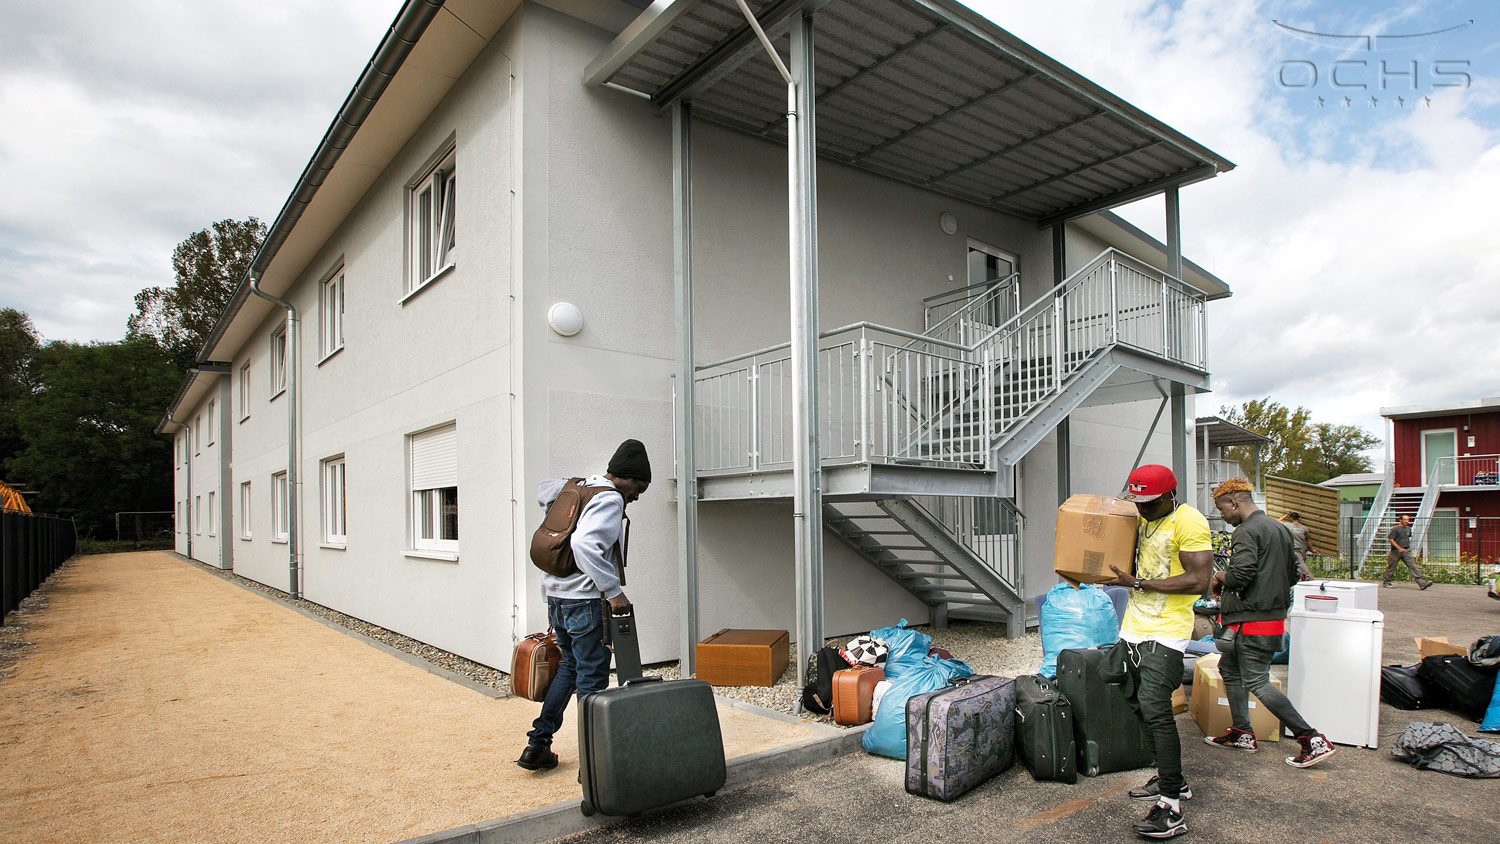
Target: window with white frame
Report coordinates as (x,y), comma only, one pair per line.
(335,530)
(198,514)
(198,433)
(211,403)
(213,519)
(245,390)
(431,242)
(278,361)
(332,305)
(279,507)
(245,510)
(434,487)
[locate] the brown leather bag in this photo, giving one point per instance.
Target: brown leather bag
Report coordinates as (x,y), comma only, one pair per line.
(853,694)
(534,664)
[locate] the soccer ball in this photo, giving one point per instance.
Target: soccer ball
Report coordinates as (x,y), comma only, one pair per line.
(865,650)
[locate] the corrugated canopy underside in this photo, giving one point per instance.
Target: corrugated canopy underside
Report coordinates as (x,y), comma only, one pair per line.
(926,92)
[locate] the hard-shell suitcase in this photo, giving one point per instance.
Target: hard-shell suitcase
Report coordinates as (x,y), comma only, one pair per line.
(649,742)
(1468,689)
(959,736)
(1044,730)
(1402,688)
(533,665)
(854,694)
(1110,735)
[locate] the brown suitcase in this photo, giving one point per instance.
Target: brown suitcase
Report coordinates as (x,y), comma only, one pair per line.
(853,694)
(743,657)
(534,664)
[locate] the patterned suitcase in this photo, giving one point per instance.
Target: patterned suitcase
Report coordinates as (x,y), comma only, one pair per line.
(854,695)
(1044,730)
(1110,735)
(647,742)
(534,664)
(959,736)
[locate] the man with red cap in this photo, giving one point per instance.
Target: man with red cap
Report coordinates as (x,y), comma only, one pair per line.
(1173,564)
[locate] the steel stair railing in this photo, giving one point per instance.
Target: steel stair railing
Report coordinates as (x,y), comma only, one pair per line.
(1371,528)
(1430,495)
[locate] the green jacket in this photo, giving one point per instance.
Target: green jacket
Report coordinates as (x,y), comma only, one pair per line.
(1262,569)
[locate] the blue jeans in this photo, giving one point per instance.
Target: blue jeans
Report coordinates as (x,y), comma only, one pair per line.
(578,625)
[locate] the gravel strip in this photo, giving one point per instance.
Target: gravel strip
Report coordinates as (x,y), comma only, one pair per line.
(13,641)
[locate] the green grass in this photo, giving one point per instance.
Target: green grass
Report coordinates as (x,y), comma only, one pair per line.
(113,546)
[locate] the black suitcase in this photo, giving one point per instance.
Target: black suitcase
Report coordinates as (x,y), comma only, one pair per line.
(1402,688)
(1044,730)
(1110,735)
(1467,688)
(648,742)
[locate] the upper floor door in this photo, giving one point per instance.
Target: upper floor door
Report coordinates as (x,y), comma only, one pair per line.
(1439,448)
(993,269)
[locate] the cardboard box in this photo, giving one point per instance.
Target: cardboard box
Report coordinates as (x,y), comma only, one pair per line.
(1210,705)
(1179,701)
(1434,645)
(1093,533)
(743,657)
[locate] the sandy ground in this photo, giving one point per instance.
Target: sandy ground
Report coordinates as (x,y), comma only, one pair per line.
(160,703)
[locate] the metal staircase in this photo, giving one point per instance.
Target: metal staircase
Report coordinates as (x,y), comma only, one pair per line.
(920,433)
(1391,503)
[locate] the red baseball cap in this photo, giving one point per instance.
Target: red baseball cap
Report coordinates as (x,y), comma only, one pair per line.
(1149,482)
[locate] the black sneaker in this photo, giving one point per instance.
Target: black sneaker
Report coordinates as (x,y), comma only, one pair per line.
(1162,822)
(535,758)
(1152,790)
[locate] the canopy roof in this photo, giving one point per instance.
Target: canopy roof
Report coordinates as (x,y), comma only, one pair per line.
(925,91)
(1224,432)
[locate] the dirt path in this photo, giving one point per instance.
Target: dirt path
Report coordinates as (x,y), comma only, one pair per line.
(161,703)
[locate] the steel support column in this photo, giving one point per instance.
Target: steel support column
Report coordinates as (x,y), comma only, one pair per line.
(1064,429)
(807,501)
(1179,394)
(687,474)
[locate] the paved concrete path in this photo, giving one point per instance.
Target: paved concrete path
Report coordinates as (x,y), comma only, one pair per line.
(162,703)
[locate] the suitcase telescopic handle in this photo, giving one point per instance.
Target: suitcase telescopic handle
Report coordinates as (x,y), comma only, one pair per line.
(645,679)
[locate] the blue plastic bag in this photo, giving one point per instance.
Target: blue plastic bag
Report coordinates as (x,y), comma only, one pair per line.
(887,735)
(907,649)
(1491,722)
(1075,618)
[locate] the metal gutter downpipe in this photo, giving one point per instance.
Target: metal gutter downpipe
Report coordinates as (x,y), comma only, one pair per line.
(294,548)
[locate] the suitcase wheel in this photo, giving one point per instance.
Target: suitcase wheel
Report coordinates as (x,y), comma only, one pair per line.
(586,808)
(708,794)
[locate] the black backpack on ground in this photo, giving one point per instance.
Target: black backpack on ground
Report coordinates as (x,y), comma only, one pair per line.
(817,695)
(1402,688)
(1468,688)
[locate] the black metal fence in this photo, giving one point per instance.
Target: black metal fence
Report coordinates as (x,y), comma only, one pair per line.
(1454,548)
(32,547)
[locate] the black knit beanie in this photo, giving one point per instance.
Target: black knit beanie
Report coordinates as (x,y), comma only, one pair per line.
(630,462)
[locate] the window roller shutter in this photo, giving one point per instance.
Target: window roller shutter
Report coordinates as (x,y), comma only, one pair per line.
(434,458)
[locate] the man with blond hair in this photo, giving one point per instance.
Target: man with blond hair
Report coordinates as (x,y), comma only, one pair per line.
(1254,594)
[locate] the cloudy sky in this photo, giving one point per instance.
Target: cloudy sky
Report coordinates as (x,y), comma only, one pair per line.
(1360,237)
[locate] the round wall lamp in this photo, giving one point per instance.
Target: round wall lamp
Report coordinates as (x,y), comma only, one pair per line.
(948,223)
(565,319)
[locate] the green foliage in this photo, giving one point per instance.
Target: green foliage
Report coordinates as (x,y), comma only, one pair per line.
(19,343)
(1460,569)
(116,546)
(90,446)
(208,266)
(1300,448)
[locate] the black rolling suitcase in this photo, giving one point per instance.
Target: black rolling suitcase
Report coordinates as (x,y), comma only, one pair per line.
(1402,688)
(1044,730)
(1467,689)
(1110,735)
(647,742)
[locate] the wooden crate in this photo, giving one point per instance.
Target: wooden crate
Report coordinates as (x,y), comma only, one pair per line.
(743,657)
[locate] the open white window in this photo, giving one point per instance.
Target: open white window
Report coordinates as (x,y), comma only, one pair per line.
(211,408)
(245,391)
(434,487)
(198,514)
(278,361)
(213,517)
(335,530)
(331,333)
(431,241)
(245,510)
(280,512)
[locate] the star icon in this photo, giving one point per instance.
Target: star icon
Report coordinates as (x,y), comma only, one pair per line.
(1427,102)
(1320,102)
(1348,102)
(1400,102)
(1374,102)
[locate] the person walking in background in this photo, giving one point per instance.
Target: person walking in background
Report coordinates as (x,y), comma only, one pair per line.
(574,606)
(1301,541)
(1255,594)
(1173,559)
(1399,539)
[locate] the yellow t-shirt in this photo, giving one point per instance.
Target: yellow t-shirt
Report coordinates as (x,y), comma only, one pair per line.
(1157,615)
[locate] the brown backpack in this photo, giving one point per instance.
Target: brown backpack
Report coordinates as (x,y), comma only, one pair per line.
(551,544)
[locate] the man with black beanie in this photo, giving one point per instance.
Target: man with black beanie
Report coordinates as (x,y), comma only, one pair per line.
(574,608)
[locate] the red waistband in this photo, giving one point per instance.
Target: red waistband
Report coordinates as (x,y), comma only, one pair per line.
(1260,628)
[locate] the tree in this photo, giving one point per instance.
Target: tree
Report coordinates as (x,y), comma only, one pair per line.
(1300,448)
(208,266)
(91,447)
(19,343)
